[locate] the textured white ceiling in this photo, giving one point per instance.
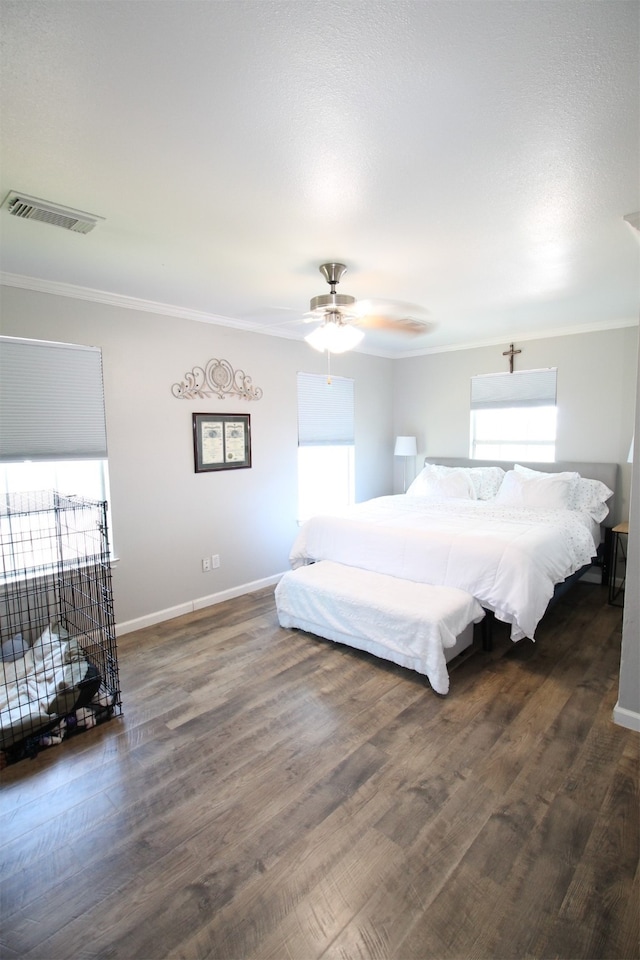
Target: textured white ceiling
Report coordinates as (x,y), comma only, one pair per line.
(475,158)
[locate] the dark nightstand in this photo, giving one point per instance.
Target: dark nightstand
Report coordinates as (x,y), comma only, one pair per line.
(618,571)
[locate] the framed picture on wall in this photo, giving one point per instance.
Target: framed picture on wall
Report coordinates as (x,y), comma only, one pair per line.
(221,441)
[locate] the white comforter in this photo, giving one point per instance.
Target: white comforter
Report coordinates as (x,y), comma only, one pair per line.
(509,558)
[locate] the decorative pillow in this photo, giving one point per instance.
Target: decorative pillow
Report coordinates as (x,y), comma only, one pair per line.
(431,483)
(548,493)
(486,481)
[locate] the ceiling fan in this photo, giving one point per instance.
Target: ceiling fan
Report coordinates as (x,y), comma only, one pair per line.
(341,316)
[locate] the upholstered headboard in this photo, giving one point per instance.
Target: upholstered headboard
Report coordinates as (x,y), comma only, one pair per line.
(605,472)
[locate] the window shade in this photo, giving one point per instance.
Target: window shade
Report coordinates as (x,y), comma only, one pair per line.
(524,388)
(51,401)
(325,410)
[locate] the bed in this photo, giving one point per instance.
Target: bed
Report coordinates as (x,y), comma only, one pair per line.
(507,534)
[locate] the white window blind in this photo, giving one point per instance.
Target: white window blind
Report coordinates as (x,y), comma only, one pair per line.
(51,401)
(525,388)
(325,410)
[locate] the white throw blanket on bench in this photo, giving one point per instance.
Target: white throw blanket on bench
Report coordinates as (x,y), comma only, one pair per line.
(408,623)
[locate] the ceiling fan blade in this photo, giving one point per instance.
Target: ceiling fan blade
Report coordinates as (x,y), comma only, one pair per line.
(392,315)
(406,325)
(391,309)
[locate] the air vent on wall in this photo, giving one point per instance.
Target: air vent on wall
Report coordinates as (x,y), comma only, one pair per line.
(31,208)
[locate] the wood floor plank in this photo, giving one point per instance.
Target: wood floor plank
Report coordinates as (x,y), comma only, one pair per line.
(255,770)
(440,843)
(156,796)
(284,881)
(167,875)
(594,904)
(270,795)
(536,885)
(334,900)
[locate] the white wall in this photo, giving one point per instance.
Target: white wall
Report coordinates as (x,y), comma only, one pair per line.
(627,709)
(596,397)
(165,516)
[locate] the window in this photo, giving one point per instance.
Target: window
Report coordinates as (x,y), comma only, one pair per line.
(30,540)
(513,416)
(52,422)
(51,401)
(325,444)
(71,478)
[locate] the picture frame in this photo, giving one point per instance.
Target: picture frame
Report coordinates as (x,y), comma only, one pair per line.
(221,441)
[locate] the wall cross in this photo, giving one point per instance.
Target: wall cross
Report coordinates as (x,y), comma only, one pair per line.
(511,354)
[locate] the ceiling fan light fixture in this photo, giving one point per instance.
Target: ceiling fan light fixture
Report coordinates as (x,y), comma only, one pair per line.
(334,337)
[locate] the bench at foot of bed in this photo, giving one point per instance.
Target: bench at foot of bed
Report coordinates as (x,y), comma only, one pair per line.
(414,625)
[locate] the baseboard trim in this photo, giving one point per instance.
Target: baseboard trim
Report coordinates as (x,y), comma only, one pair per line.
(149,620)
(626,718)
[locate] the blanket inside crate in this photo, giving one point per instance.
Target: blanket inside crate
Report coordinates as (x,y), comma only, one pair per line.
(40,686)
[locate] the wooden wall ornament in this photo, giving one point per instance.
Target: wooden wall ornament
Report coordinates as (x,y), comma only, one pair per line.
(216,379)
(511,354)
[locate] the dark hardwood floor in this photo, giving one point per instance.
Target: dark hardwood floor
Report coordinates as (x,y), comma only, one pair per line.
(270,795)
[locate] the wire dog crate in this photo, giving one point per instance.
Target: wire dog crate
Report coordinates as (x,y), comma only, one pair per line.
(58,654)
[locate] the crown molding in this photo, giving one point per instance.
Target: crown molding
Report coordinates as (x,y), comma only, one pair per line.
(521,338)
(59,289)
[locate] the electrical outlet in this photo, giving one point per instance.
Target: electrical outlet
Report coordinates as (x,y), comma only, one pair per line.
(215,561)
(206,564)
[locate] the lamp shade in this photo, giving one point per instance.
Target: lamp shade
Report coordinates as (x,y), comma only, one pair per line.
(405,447)
(334,337)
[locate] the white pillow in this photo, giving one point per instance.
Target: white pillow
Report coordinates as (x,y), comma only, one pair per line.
(590,496)
(548,493)
(430,483)
(439,471)
(540,475)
